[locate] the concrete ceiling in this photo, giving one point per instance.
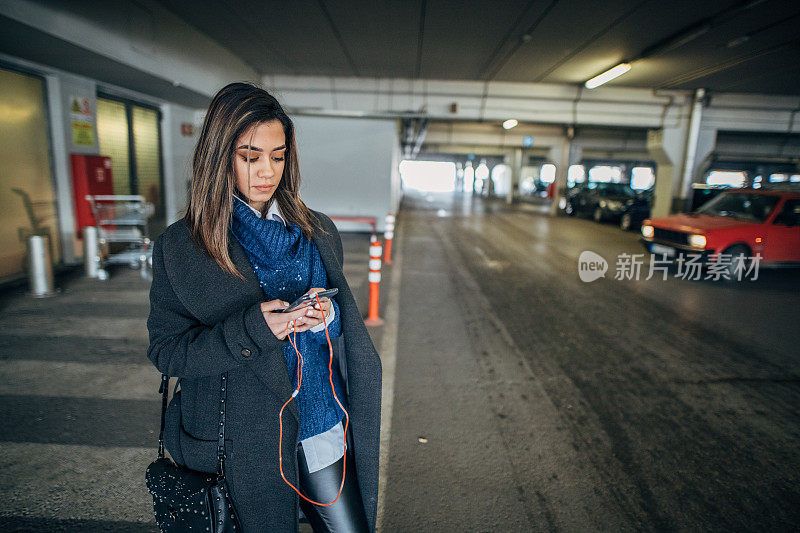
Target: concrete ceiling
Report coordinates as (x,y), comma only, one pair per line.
(32,44)
(722,45)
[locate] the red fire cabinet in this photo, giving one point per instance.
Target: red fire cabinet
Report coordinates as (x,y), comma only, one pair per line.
(91,174)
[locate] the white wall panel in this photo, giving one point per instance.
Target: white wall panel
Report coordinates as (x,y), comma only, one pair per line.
(347,165)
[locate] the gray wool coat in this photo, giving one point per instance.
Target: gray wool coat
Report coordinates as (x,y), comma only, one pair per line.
(204,322)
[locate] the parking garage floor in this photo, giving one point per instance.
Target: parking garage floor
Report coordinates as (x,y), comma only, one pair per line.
(79,407)
(517,397)
(550,404)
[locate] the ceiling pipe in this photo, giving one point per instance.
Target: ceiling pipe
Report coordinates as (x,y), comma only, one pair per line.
(423,130)
(689,34)
(408,137)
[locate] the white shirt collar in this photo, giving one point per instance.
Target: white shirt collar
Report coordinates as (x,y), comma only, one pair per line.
(273,213)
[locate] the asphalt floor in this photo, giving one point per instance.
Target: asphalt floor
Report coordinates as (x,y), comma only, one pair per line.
(526,399)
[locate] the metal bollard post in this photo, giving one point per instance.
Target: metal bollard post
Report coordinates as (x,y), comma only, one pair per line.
(40,269)
(91,254)
(374,282)
(387,237)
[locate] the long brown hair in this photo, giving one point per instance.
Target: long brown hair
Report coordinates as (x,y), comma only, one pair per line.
(233,110)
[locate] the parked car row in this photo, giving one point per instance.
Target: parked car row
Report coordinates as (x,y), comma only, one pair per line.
(736,222)
(616,202)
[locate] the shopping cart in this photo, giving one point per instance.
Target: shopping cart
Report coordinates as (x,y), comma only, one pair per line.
(122,218)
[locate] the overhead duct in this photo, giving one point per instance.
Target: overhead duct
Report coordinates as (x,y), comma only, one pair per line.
(414,130)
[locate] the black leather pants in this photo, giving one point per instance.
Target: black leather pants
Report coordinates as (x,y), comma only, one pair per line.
(344,516)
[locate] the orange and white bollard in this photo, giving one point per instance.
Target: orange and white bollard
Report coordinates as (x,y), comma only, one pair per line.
(388,235)
(374,282)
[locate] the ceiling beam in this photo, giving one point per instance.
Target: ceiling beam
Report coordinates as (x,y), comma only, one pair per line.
(490,72)
(338,36)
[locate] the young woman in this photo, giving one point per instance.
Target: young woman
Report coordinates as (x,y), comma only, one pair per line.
(247,246)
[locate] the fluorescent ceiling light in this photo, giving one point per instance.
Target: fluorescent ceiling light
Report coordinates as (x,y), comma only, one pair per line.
(608,75)
(510,123)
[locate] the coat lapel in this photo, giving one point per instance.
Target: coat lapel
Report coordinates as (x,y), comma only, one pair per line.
(333,268)
(329,260)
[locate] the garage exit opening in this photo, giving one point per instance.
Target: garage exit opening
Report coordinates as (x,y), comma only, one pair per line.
(428,176)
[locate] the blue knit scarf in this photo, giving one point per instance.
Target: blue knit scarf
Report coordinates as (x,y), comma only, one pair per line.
(287,265)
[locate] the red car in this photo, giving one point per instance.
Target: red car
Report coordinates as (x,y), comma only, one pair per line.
(741,222)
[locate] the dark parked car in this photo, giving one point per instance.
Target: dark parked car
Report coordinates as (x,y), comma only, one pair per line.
(608,201)
(636,211)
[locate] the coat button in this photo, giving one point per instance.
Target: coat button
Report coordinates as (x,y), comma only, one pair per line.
(245,352)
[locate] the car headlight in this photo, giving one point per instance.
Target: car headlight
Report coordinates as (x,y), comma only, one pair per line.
(697,241)
(603,204)
(614,205)
(562,203)
(647,231)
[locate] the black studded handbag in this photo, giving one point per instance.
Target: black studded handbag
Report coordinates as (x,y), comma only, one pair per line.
(189,500)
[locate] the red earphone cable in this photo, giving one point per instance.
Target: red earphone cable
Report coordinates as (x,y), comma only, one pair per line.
(293,340)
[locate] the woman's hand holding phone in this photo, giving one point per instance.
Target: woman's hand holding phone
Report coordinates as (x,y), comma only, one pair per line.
(304,318)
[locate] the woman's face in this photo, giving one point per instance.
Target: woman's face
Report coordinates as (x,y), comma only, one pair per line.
(267,144)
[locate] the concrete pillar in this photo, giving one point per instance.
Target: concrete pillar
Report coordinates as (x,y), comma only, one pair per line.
(563,155)
(516,173)
(699,143)
(679,152)
(692,134)
(665,146)
(171,205)
(71,246)
(489,183)
(706,142)
(575,155)
(471,167)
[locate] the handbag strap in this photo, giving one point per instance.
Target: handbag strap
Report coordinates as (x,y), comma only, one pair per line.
(223,394)
(163,388)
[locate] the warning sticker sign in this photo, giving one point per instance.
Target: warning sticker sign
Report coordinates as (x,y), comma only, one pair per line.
(82,116)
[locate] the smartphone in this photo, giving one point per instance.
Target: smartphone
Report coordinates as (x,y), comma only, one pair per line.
(307,300)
